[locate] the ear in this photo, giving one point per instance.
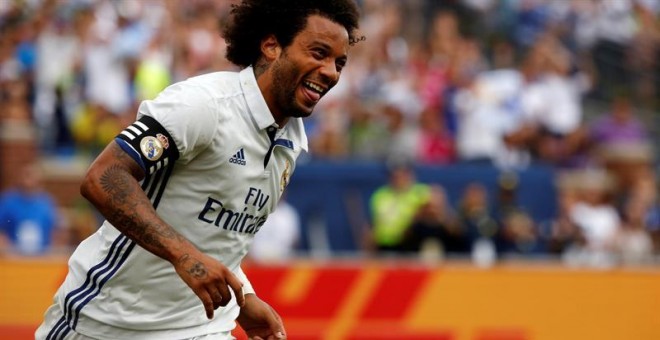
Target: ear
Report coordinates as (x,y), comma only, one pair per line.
(270,48)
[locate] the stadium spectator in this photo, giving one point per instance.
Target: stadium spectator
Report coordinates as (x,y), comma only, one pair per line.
(14,90)
(434,227)
(518,235)
(633,242)
(203,47)
(367,133)
(558,135)
(436,144)
(619,126)
(58,72)
(393,208)
(29,221)
(622,144)
(487,110)
(517,230)
(645,53)
(644,196)
(478,221)
(560,234)
(597,217)
(152,73)
(442,42)
(328,141)
(608,28)
(401,111)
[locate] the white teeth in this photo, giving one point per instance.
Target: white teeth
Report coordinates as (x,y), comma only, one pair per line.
(314,87)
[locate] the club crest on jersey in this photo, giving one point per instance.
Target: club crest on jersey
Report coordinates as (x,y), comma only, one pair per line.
(286,174)
(152,147)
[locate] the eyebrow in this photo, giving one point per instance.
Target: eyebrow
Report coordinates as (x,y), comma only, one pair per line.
(317,43)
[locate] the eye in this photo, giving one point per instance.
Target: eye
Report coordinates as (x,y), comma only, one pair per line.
(340,64)
(319,54)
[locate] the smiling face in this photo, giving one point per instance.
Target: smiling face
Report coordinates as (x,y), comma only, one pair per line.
(302,73)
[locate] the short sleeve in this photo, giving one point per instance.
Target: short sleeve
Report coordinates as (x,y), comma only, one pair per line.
(175,126)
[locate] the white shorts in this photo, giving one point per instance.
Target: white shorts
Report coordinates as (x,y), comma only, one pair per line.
(54,327)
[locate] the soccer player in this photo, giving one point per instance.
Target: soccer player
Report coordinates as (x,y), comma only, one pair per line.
(185,188)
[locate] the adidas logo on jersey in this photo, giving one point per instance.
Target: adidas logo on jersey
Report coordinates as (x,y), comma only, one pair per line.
(238,158)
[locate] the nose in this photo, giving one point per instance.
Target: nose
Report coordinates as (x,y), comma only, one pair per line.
(329,72)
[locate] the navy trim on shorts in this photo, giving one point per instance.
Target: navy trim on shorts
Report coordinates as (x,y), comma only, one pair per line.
(55,331)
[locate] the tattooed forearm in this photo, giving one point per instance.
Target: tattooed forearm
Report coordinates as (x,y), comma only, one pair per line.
(127,208)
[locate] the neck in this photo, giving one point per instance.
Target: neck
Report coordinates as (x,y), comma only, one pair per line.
(266,85)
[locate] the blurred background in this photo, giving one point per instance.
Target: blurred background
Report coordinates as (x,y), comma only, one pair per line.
(485,169)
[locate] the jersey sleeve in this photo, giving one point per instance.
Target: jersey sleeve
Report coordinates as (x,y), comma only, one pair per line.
(175,126)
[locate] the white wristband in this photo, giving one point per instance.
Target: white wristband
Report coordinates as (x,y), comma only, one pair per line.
(247,286)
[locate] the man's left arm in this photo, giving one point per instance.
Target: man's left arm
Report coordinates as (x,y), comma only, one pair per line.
(257,318)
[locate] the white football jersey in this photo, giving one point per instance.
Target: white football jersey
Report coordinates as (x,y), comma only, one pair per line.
(214,174)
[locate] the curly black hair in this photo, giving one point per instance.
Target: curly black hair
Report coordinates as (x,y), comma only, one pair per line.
(253,20)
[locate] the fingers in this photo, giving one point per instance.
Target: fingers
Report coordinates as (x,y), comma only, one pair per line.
(275,324)
(231,281)
(277,316)
(240,297)
(237,287)
(216,297)
(207,301)
(211,285)
(224,291)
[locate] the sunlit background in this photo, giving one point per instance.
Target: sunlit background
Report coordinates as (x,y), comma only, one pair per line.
(484,170)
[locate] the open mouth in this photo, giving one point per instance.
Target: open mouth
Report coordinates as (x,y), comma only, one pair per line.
(313,91)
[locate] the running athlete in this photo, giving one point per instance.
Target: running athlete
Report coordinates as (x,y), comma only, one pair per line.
(185,188)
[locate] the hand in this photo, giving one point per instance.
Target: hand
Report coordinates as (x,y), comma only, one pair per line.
(210,280)
(259,320)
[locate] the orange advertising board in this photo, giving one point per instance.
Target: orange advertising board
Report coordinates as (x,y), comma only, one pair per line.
(407,300)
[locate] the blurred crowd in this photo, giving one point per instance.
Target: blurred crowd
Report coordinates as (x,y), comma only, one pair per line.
(78,69)
(570,84)
(591,227)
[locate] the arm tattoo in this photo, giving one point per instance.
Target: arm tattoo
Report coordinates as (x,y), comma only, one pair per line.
(126,203)
(197,269)
(116,184)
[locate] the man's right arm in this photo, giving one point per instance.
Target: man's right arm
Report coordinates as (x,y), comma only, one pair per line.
(112,186)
